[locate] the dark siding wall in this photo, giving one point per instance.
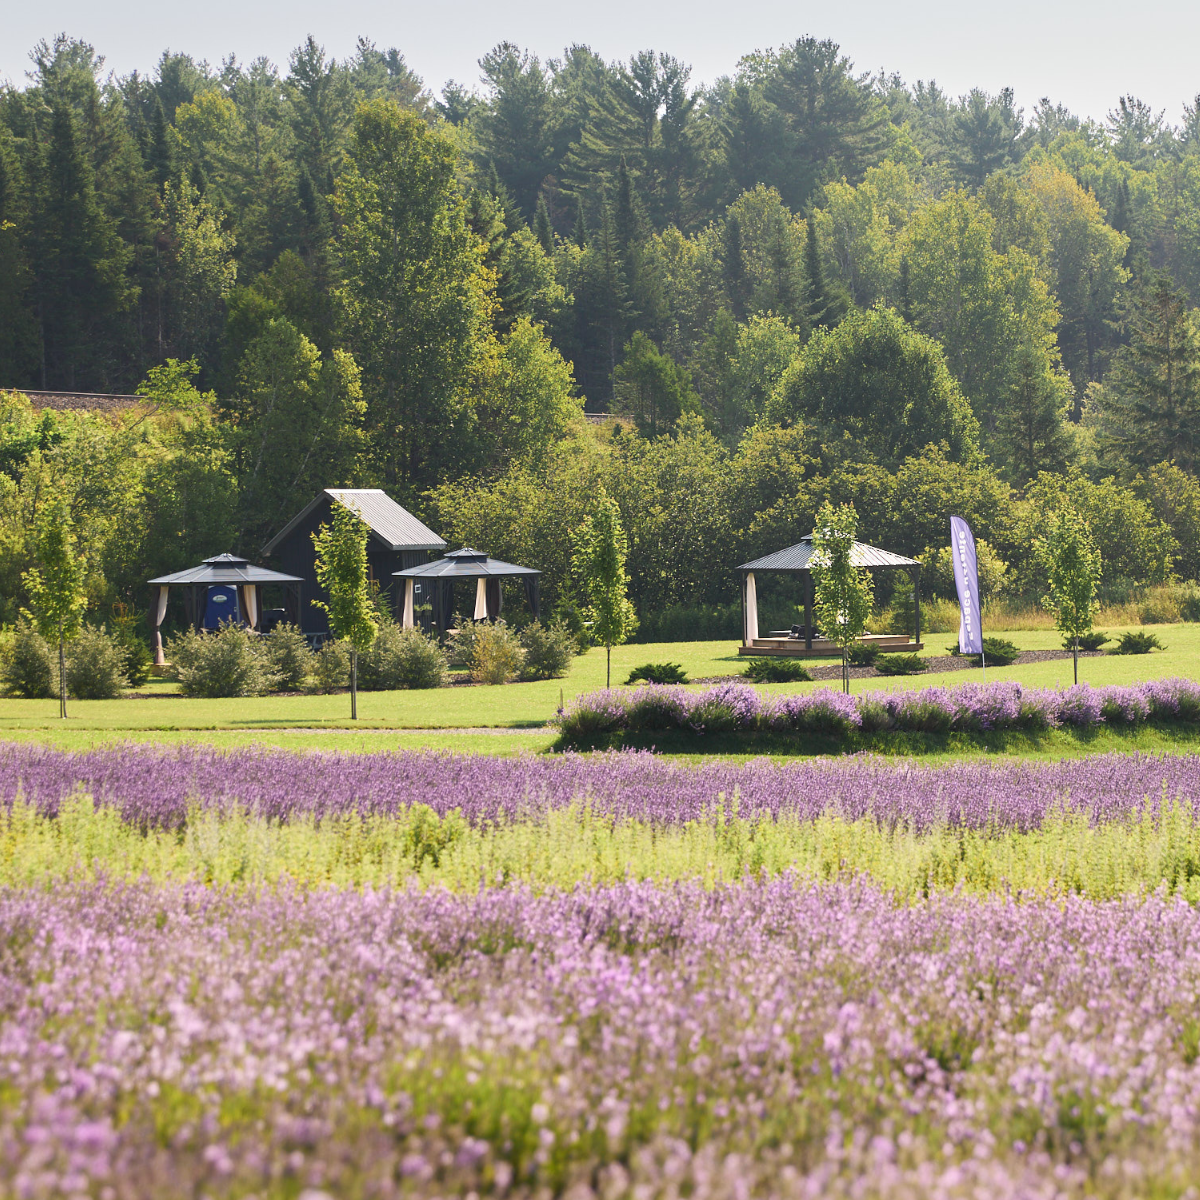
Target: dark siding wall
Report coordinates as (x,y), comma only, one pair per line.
(295,556)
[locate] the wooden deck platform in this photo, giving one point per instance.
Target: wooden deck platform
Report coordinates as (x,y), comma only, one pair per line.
(764,647)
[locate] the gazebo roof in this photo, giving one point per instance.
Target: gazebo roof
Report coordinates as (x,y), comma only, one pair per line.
(225,568)
(799,556)
(464,564)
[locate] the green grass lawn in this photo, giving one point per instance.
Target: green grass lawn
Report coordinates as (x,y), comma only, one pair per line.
(459,718)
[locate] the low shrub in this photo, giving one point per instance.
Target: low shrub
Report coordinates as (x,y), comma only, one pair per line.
(461,642)
(658,708)
(900,664)
(1092,640)
(1189,602)
(571,615)
(290,658)
(667,672)
(135,652)
(30,667)
(548,650)
(330,667)
(1137,641)
(496,654)
(776,670)
(95,666)
(402,659)
(997,652)
(231,662)
(968,708)
(863,654)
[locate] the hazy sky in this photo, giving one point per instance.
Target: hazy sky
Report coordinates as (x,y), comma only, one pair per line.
(1081,55)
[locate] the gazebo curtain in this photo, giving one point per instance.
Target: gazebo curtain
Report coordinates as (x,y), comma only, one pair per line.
(481,608)
(406,621)
(533,594)
(751,621)
(250,604)
(160,615)
(494,598)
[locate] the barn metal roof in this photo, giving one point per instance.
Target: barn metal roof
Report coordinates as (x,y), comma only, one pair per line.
(396,527)
(225,568)
(798,557)
(463,564)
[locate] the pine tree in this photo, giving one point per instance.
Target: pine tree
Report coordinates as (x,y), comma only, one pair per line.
(1032,426)
(580,233)
(1150,410)
(542,229)
(160,158)
(79,259)
(606,291)
(733,266)
(18,328)
(821,310)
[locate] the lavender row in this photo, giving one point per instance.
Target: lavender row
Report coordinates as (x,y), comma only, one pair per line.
(752,1040)
(970,707)
(157,786)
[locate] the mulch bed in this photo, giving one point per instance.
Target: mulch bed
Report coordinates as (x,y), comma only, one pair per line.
(937,664)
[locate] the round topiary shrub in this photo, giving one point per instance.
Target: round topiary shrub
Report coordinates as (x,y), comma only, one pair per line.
(29,668)
(95,666)
(330,667)
(290,658)
(402,659)
(549,650)
(497,656)
(231,662)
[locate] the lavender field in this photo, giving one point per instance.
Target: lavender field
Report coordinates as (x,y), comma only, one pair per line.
(760,1039)
(157,787)
(253,974)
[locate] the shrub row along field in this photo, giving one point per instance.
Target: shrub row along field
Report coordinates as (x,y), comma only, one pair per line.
(1102,827)
(970,708)
(767,1038)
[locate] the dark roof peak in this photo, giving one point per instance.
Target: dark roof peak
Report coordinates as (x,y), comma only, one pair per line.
(392,525)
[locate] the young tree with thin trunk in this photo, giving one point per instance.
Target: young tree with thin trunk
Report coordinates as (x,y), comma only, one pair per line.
(1072,563)
(600,552)
(342,572)
(55,588)
(844,592)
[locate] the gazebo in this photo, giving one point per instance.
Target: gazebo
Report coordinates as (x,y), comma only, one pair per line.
(226,585)
(467,564)
(796,560)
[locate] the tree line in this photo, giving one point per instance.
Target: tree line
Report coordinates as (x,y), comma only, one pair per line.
(797,282)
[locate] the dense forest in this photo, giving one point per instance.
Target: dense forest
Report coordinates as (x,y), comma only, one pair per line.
(796,283)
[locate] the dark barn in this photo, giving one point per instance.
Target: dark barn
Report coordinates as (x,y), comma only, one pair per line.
(398,541)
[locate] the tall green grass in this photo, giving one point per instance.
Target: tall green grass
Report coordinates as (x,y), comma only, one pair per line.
(574,846)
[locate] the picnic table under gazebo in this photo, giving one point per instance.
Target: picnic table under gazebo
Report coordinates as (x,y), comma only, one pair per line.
(468,566)
(222,588)
(797,560)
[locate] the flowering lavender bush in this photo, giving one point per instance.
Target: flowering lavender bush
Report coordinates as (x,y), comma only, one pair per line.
(971,707)
(766,1039)
(157,787)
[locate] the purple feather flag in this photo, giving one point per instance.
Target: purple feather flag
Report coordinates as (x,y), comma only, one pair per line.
(966,579)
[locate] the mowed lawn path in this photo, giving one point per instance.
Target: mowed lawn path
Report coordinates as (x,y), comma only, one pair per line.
(513,718)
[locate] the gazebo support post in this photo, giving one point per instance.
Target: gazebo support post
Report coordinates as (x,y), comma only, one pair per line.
(915,574)
(808,604)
